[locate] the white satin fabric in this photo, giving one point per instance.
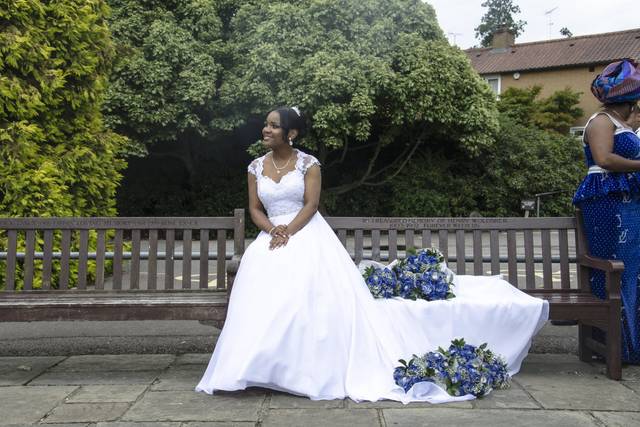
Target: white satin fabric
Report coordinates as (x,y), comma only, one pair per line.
(302,320)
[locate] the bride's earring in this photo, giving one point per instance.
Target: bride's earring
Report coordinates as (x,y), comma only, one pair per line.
(290,141)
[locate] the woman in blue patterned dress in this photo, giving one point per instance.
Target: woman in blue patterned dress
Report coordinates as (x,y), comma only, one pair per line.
(609,195)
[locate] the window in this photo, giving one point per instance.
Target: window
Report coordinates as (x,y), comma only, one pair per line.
(495,83)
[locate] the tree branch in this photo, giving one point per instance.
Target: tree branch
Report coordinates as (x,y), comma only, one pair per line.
(348,187)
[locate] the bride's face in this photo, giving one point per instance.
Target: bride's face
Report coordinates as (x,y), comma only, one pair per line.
(272,133)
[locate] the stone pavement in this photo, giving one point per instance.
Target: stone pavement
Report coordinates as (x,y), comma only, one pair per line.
(157,390)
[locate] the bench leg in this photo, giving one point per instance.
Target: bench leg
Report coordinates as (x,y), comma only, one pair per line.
(584,352)
(614,343)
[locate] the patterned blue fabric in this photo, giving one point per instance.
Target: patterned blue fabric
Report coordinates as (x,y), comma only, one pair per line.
(610,204)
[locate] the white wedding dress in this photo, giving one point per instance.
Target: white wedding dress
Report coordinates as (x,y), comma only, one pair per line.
(302,320)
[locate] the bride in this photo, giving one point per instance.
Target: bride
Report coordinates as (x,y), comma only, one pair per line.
(302,320)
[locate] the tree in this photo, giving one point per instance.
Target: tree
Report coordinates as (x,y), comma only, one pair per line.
(378,80)
(57,157)
(566,32)
(499,15)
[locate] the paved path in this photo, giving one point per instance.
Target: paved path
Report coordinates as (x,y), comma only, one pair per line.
(157,390)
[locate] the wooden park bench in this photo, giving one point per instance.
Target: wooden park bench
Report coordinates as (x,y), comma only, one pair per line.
(122,295)
(544,257)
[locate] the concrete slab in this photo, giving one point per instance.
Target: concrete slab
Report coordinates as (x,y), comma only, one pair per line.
(381,404)
(556,391)
(100,377)
(18,402)
(87,412)
(515,397)
(557,364)
(633,385)
(184,377)
(322,417)
(216,424)
(193,359)
(486,417)
(107,393)
(126,424)
(20,370)
(288,401)
(115,362)
(619,419)
(191,406)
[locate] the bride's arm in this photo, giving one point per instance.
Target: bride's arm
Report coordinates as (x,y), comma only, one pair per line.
(312,184)
(256,210)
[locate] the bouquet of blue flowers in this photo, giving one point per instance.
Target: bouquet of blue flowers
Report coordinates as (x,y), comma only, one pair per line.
(422,275)
(460,370)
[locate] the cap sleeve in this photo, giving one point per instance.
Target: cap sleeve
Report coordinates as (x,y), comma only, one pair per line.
(306,161)
(255,167)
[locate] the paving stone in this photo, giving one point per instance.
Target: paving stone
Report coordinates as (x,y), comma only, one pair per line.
(631,372)
(486,417)
(107,393)
(633,385)
(289,401)
(381,404)
(18,402)
(184,377)
(99,377)
(322,417)
(218,424)
(193,359)
(86,412)
(192,406)
(556,391)
(515,397)
(115,362)
(20,370)
(556,363)
(619,419)
(126,424)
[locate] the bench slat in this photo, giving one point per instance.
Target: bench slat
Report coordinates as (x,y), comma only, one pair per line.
(152,262)
(117,260)
(221,267)
(168,260)
(546,259)
(511,254)
(47,250)
(12,249)
(375,245)
(494,251)
(203,276)
(82,260)
(342,236)
(528,260)
(393,245)
(186,258)
(358,240)
(563,241)
(478,269)
(135,259)
(409,240)
(65,248)
(100,250)
(30,243)
(426,238)
(461,265)
(443,243)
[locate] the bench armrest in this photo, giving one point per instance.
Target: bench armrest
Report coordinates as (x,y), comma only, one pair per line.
(613,270)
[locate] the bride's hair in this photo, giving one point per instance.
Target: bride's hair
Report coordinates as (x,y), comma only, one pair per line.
(292,118)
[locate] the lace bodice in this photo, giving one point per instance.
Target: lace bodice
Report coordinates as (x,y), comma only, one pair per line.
(286,196)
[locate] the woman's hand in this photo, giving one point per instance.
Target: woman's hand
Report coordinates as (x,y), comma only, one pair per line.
(278,241)
(280,230)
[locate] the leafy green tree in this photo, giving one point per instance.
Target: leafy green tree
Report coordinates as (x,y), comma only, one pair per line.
(57,158)
(499,15)
(378,80)
(557,112)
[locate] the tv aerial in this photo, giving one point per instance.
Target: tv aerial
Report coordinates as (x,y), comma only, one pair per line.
(548,15)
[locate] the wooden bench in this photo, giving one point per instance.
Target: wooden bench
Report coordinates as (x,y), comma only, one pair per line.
(544,257)
(149,290)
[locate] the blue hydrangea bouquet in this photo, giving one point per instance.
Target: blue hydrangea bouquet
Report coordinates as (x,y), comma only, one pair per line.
(422,275)
(462,369)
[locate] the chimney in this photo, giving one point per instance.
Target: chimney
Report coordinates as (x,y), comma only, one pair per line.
(503,38)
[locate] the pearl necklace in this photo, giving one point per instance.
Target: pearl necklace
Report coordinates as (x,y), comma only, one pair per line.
(285,165)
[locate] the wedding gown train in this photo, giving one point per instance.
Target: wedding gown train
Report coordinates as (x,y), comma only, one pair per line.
(302,320)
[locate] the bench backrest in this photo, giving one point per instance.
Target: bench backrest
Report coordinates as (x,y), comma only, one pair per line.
(531,253)
(59,252)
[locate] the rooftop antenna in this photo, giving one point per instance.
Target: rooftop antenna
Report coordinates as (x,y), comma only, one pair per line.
(454,35)
(548,15)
